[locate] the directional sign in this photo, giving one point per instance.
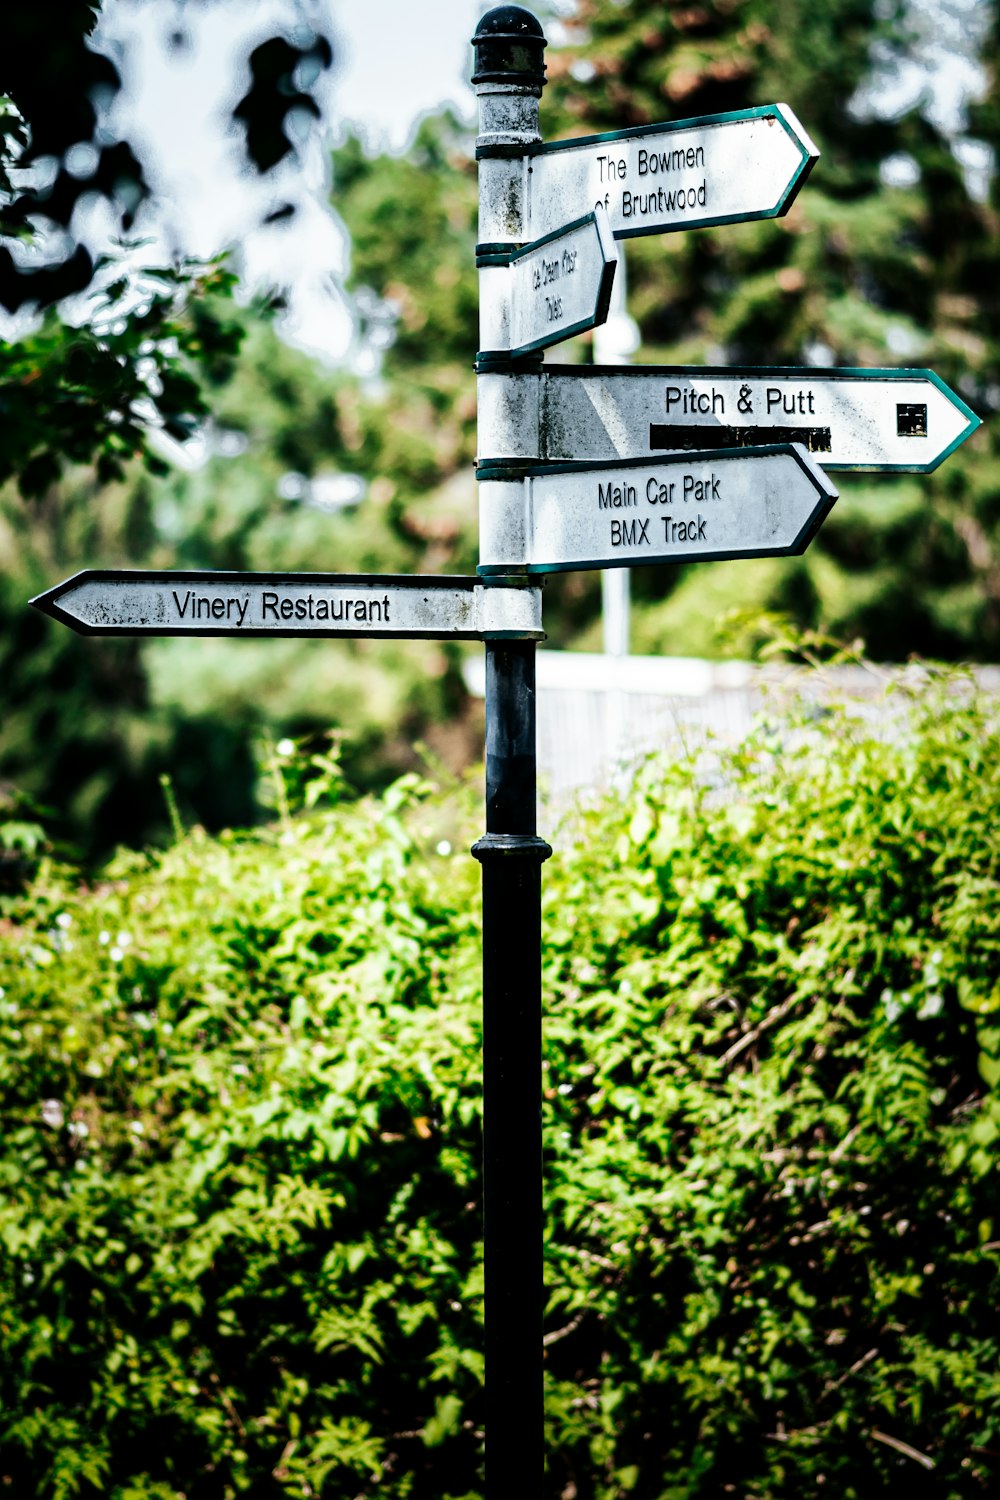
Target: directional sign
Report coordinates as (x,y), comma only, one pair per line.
(718,169)
(553,288)
(689,508)
(293,604)
(902,420)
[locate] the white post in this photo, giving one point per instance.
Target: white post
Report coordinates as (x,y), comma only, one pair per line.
(614,344)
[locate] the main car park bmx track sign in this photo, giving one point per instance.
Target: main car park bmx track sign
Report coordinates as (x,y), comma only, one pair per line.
(902,420)
(720,169)
(293,604)
(685,508)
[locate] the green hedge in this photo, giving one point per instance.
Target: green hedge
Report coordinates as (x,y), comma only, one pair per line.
(240,1090)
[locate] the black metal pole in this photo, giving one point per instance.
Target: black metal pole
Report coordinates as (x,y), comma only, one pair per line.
(511,854)
(509,77)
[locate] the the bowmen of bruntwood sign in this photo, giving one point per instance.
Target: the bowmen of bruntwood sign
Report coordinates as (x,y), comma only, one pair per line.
(719,169)
(549,290)
(902,420)
(293,604)
(689,508)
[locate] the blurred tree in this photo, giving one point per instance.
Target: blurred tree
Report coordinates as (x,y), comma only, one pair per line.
(91,392)
(83,387)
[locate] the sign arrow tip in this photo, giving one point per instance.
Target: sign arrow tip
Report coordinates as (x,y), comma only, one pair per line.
(47,603)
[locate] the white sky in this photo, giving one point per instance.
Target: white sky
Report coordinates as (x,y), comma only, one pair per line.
(398,59)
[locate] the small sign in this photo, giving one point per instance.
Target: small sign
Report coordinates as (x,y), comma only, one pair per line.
(99,602)
(558,286)
(684,174)
(690,508)
(906,421)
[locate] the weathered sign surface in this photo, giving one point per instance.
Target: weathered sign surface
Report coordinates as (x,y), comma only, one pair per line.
(719,169)
(552,288)
(293,604)
(903,420)
(684,508)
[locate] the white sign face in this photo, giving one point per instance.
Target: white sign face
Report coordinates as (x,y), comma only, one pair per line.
(680,509)
(903,420)
(293,604)
(719,169)
(557,286)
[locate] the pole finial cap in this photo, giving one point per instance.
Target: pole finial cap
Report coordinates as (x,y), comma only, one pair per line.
(510,48)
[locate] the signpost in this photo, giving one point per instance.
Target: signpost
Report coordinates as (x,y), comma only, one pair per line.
(683,174)
(293,604)
(549,290)
(580,468)
(905,421)
(765,503)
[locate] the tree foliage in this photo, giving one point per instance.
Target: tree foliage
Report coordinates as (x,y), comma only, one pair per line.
(89,390)
(140,350)
(240,1083)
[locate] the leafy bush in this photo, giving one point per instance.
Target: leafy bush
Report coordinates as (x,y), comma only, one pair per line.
(240,1088)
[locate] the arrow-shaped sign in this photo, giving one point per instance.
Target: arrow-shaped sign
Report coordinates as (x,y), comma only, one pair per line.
(548,290)
(902,420)
(293,604)
(690,508)
(718,169)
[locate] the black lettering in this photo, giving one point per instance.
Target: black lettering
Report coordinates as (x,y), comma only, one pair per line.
(630,533)
(269,601)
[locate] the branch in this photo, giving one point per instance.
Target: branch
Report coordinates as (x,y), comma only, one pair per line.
(754,1034)
(563,1333)
(859,1364)
(904,1448)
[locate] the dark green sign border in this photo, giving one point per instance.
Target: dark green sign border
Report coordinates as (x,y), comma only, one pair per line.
(494,257)
(699,122)
(826,498)
(48,602)
(781,372)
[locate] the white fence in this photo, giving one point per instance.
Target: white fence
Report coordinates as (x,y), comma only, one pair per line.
(599,715)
